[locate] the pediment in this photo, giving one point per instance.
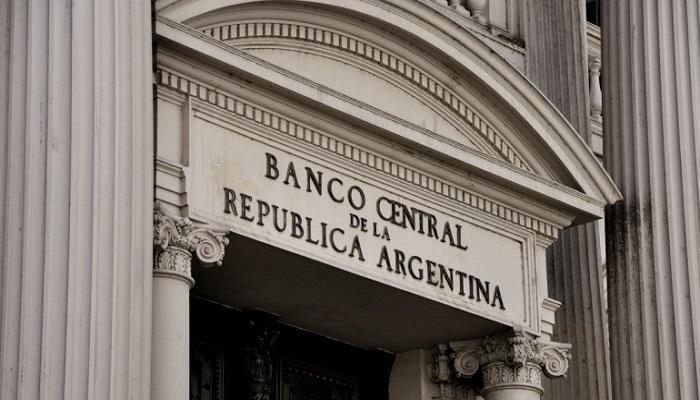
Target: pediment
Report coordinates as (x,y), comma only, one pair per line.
(381,71)
(417,74)
(426,128)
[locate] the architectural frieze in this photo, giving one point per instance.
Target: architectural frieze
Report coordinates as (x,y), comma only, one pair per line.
(348,151)
(177,239)
(357,47)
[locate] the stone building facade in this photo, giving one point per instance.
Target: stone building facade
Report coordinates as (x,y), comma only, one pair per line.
(366,199)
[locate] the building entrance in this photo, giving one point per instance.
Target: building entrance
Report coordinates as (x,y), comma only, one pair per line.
(246,355)
(366,171)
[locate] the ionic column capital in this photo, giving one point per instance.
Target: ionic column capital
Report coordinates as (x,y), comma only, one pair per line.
(176,239)
(515,360)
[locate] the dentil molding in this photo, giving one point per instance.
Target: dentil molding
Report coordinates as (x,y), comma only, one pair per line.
(238,108)
(233,32)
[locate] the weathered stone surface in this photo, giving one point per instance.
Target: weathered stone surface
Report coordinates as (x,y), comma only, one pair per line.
(651,115)
(511,365)
(76,151)
(557,64)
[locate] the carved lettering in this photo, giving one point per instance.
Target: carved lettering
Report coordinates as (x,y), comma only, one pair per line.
(412,271)
(245,207)
(384,260)
(369,223)
(356,197)
(294,224)
(356,248)
(315,179)
(291,173)
(263,211)
(419,221)
(230,202)
(442,276)
(271,170)
(331,191)
(431,272)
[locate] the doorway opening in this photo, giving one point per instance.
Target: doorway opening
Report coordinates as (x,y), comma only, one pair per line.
(249,355)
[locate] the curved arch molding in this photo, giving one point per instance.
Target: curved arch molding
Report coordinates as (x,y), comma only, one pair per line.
(541,124)
(394,100)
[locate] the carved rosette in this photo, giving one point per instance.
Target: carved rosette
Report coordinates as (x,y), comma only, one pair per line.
(513,361)
(176,239)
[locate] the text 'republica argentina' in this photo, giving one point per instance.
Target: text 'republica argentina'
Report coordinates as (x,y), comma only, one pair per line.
(343,240)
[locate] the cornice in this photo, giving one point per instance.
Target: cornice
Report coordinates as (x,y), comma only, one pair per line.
(374,161)
(460,48)
(179,38)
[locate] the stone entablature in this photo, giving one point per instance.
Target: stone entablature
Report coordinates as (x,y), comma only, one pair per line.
(224,109)
(215,111)
(536,126)
(309,136)
(201,102)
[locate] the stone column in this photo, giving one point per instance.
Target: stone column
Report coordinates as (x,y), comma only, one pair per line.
(557,62)
(651,116)
(76,199)
(176,240)
(511,366)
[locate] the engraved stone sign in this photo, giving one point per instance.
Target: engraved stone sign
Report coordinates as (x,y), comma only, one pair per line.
(350,215)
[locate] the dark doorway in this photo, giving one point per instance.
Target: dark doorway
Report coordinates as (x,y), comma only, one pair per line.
(247,355)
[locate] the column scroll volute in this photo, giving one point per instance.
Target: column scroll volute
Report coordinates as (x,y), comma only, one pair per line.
(511,361)
(176,239)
